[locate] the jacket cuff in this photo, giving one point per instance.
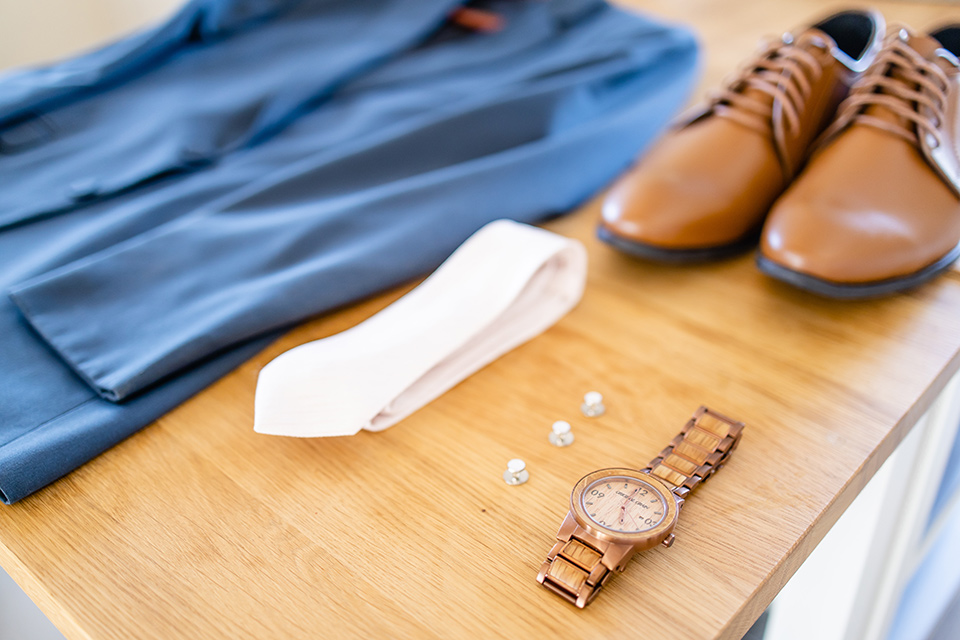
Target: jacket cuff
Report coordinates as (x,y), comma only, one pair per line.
(126,318)
(67,316)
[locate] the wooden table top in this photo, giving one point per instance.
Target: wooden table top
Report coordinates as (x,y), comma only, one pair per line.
(198,527)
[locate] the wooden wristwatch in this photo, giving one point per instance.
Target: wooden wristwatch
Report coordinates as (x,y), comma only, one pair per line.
(615,513)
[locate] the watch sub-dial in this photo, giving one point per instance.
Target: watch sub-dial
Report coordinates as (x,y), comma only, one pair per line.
(623,504)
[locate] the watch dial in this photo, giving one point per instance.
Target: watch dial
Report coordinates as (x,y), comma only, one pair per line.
(623,504)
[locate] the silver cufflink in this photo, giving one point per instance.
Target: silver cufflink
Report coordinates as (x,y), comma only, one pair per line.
(560,434)
(592,406)
(516,472)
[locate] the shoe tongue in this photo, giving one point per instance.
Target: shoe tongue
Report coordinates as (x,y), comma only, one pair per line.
(813,37)
(926,46)
(811,40)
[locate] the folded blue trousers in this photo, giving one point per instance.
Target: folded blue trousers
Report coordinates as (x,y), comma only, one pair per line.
(170,203)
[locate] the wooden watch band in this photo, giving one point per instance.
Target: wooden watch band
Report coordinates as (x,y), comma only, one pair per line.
(575,568)
(697,452)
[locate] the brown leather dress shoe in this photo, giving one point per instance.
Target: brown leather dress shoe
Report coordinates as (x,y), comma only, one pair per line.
(877,209)
(703,191)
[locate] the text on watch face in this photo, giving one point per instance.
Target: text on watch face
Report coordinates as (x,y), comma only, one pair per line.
(622,504)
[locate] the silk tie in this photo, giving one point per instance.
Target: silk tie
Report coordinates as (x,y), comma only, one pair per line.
(505,285)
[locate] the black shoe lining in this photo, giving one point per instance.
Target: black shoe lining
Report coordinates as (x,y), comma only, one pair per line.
(949,37)
(853,31)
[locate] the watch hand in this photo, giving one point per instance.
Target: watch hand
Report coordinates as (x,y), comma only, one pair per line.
(623,507)
(627,499)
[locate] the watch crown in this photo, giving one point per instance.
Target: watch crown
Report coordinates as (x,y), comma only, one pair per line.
(668,541)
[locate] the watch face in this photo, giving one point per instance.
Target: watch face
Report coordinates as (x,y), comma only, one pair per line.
(623,504)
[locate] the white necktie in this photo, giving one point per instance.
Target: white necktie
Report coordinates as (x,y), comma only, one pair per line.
(505,285)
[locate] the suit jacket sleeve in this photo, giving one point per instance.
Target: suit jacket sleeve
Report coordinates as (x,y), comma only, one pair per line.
(277,253)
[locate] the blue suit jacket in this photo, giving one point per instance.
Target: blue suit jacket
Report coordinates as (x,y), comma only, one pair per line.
(170,202)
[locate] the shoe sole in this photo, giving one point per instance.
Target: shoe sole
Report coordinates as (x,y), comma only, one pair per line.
(858,291)
(676,256)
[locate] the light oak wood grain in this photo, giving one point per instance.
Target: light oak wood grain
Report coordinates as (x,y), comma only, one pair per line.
(198,527)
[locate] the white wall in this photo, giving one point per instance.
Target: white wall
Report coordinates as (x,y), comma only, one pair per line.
(19,617)
(36,31)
